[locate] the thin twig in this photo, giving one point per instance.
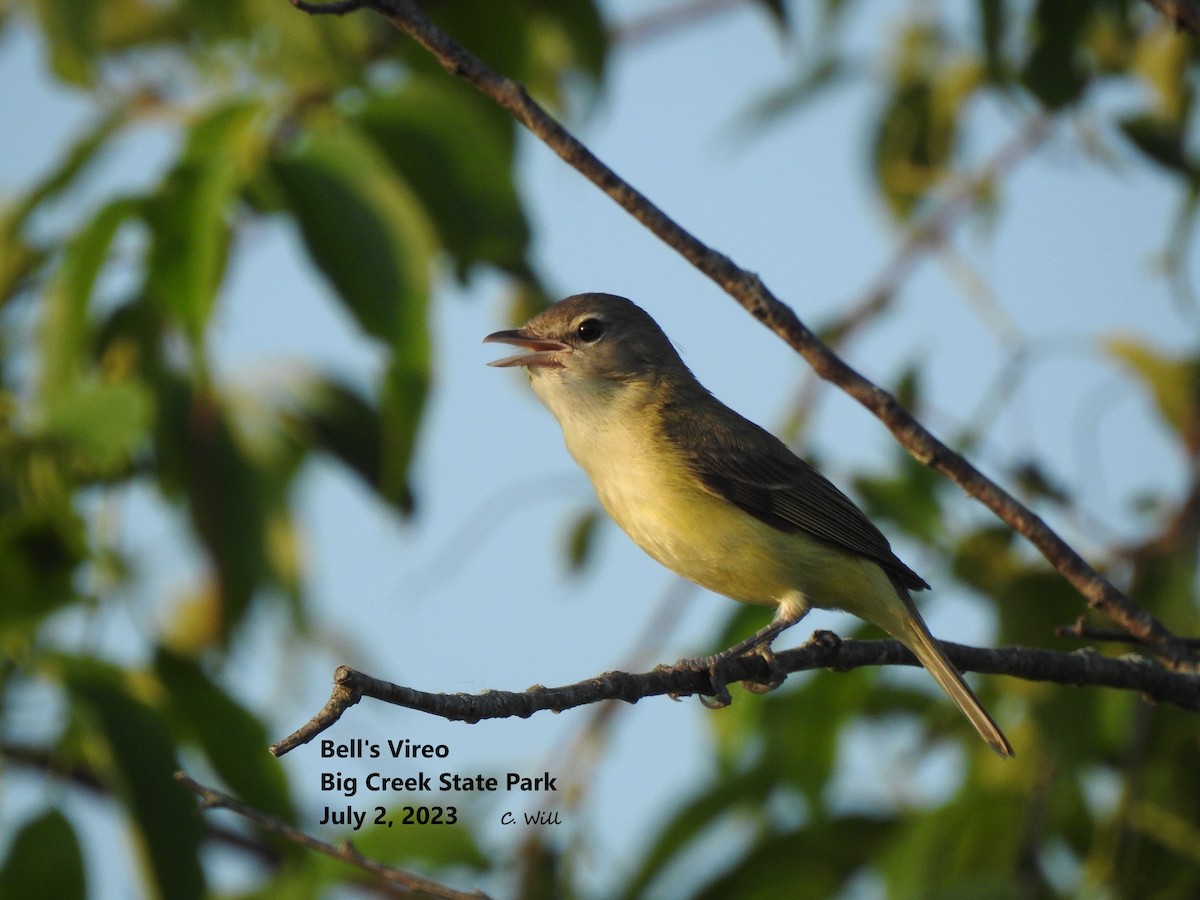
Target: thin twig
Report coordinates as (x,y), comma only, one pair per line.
(1183,14)
(1080,629)
(658,23)
(409,883)
(932,230)
(51,765)
(750,291)
(1081,668)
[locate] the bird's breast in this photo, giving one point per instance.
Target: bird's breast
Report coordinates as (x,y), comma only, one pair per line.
(647,489)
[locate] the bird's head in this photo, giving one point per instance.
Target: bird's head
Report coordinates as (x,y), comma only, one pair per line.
(590,339)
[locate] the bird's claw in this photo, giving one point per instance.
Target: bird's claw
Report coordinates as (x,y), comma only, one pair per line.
(777,677)
(712,666)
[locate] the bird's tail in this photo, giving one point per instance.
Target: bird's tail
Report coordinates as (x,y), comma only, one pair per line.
(918,639)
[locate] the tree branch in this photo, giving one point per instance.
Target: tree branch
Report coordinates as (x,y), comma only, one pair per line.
(51,765)
(1081,668)
(1183,14)
(1080,629)
(750,291)
(408,883)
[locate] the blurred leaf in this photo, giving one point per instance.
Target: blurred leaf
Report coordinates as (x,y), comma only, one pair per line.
(78,157)
(191,215)
(917,133)
(834,850)
(1161,59)
(993,19)
(801,728)
(985,559)
(18,258)
(939,856)
(1174,382)
(40,550)
(198,456)
(70,28)
(909,389)
(365,230)
(44,860)
(140,758)
(813,81)
(778,12)
(691,821)
(1053,72)
(64,329)
(1162,141)
(581,538)
(1034,481)
(233,740)
(401,401)
(101,424)
(456,153)
(494,30)
(331,416)
(537,42)
(1164,579)
(444,847)
(909,497)
(572,34)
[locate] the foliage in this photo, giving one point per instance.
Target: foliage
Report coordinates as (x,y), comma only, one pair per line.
(393,174)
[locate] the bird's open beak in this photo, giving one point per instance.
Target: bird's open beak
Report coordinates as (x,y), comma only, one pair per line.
(542,352)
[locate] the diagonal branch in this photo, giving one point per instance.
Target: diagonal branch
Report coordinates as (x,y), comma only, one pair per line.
(825,651)
(750,291)
(1183,14)
(406,884)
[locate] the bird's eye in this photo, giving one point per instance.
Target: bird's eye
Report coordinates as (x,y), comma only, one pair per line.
(589,330)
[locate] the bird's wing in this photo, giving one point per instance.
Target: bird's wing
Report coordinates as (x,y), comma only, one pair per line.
(735,459)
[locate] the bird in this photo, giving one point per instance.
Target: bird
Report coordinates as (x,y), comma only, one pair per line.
(713,496)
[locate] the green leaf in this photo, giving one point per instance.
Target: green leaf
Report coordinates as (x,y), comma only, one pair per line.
(456,153)
(581,539)
(199,456)
(328,415)
(76,160)
(44,860)
(70,31)
(102,424)
(40,550)
(1053,71)
(950,852)
(992,21)
(439,848)
(577,28)
(365,230)
(801,727)
(692,821)
(834,851)
(910,497)
(1162,141)
(190,216)
(65,326)
(912,147)
(778,12)
(233,740)
(401,401)
(138,750)
(811,83)
(1174,382)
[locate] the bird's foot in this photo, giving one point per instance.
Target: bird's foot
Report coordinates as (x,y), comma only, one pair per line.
(713,666)
(826,639)
(777,677)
